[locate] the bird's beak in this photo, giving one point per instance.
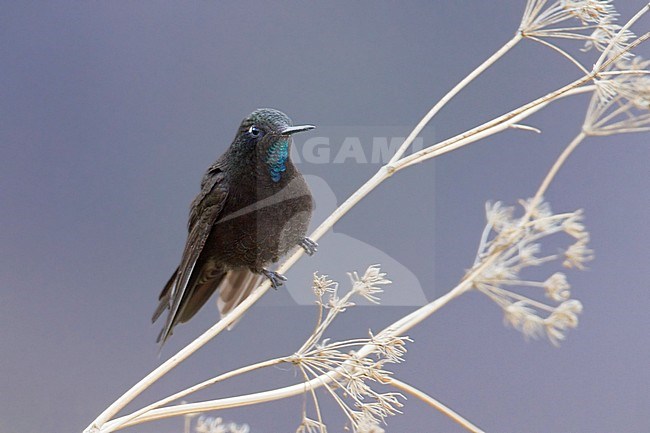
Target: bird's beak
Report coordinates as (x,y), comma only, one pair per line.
(293,129)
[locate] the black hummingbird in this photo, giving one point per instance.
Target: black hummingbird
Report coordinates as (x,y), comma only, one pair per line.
(254,206)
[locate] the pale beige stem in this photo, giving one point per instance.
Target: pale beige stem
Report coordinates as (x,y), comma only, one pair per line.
(397,328)
(561,52)
(120,422)
(405,387)
(599,63)
(554,169)
(500,123)
(453,92)
(631,46)
(461,140)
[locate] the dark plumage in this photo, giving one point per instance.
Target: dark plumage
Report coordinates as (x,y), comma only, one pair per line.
(254,206)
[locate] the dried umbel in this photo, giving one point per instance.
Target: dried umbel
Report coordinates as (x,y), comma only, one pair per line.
(621,102)
(353,378)
(509,245)
(588,20)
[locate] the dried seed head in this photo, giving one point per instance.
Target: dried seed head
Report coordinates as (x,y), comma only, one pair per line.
(557,287)
(504,254)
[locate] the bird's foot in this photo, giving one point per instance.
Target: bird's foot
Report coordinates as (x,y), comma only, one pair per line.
(309,246)
(276,278)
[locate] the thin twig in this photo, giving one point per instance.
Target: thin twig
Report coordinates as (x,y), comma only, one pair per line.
(553,171)
(619,35)
(457,88)
(120,423)
(562,52)
(405,387)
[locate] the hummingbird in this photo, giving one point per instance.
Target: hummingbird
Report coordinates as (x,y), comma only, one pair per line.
(254,206)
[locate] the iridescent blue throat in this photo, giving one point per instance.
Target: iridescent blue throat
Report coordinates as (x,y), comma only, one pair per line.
(276,156)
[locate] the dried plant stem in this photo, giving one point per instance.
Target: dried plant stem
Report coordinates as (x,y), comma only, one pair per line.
(406,388)
(492,127)
(156,374)
(632,45)
(561,52)
(122,422)
(601,60)
(554,169)
(397,328)
(453,92)
(319,417)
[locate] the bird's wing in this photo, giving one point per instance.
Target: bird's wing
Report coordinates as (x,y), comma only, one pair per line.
(205,210)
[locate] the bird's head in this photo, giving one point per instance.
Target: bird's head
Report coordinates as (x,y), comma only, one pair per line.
(268,132)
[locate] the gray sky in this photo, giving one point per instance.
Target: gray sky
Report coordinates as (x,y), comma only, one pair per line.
(111,112)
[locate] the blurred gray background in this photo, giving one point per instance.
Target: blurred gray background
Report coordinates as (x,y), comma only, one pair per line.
(111,112)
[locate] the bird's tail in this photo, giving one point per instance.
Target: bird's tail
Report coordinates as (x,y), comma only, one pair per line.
(163,298)
(196,295)
(234,288)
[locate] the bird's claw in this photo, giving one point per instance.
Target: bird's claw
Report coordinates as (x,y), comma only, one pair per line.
(309,246)
(276,278)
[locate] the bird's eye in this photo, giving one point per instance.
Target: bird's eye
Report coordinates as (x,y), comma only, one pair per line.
(254,131)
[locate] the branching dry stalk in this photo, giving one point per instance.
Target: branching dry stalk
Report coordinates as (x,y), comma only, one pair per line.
(611,77)
(123,421)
